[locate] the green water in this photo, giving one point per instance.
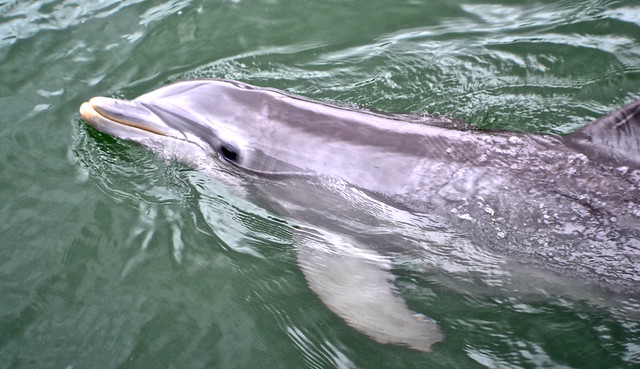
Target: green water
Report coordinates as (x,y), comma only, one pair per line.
(112,258)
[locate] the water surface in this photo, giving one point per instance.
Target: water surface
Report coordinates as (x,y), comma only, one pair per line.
(113,258)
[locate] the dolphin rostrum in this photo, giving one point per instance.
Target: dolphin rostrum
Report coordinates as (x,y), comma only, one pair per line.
(571,203)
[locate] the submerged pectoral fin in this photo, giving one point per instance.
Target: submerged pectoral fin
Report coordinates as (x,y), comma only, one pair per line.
(357,286)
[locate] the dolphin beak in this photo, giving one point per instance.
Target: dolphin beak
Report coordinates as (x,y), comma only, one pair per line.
(117,117)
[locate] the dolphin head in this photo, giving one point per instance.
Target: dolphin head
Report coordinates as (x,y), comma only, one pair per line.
(205,119)
(264,131)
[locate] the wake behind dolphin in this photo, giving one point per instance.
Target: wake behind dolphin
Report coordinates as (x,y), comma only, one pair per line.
(571,203)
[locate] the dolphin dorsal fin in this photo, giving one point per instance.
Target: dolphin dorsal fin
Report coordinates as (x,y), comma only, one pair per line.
(614,138)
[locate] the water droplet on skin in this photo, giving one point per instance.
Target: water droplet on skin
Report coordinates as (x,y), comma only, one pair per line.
(513,140)
(622,170)
(466,217)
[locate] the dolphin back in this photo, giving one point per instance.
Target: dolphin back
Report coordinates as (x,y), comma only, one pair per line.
(614,138)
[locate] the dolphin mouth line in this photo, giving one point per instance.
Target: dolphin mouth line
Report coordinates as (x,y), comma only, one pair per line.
(89,110)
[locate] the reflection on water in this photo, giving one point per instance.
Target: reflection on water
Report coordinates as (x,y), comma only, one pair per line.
(113,258)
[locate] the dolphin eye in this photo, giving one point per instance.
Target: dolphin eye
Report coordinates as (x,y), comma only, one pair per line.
(229,152)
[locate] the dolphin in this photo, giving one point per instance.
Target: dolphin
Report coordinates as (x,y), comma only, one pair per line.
(570,203)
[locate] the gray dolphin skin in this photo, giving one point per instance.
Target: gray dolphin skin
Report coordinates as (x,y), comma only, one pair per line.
(569,204)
